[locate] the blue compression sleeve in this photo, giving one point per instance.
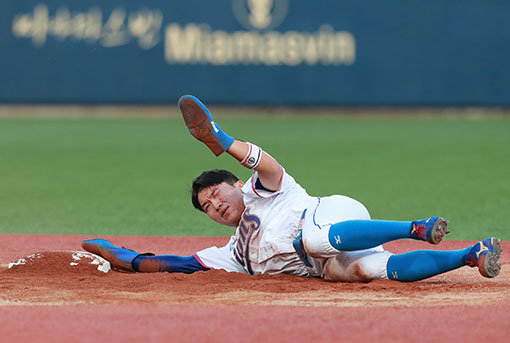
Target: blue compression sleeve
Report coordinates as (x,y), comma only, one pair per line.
(167,263)
(422,264)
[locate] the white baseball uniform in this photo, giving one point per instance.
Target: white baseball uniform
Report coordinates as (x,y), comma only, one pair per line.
(262,242)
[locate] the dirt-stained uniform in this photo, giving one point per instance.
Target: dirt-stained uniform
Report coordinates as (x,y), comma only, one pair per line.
(262,243)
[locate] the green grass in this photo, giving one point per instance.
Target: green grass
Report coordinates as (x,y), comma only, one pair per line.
(132,176)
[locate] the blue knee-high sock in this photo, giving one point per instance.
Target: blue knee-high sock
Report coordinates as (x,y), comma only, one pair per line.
(422,264)
(364,234)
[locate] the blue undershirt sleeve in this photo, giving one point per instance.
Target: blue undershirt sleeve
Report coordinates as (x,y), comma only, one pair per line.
(259,185)
(168,263)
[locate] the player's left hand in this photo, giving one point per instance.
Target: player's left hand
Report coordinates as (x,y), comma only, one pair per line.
(201,125)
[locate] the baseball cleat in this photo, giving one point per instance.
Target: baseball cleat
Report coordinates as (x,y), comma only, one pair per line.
(431,229)
(485,254)
(119,258)
(201,125)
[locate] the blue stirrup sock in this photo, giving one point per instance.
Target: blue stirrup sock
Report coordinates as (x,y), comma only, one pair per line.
(422,264)
(365,234)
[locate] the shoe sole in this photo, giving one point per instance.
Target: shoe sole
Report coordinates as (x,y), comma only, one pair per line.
(439,230)
(488,263)
(199,124)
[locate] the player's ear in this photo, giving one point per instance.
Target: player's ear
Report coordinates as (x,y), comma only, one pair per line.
(239,184)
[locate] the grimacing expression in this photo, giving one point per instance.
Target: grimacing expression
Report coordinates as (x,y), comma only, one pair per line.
(223,202)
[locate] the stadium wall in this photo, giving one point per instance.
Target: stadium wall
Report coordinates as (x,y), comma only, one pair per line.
(262,52)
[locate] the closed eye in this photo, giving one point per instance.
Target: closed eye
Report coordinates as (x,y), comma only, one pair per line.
(210,196)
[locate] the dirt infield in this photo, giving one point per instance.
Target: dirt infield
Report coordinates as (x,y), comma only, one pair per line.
(54,299)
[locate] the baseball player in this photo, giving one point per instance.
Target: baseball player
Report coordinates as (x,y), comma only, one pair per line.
(282,229)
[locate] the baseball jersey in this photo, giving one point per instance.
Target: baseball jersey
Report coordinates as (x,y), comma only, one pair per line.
(262,242)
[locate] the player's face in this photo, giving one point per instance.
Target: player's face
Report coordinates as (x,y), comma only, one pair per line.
(223,203)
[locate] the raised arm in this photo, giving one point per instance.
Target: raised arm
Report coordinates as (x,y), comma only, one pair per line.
(201,125)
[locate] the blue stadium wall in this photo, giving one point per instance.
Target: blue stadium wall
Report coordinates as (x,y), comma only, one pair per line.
(262,52)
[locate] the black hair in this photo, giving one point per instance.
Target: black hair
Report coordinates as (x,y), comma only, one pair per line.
(210,178)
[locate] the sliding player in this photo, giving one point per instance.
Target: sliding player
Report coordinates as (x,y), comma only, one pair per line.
(282,229)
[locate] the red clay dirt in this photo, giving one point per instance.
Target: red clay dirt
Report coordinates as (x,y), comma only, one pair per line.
(49,300)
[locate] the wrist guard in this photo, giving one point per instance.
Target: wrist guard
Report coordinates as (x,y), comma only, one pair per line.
(253,156)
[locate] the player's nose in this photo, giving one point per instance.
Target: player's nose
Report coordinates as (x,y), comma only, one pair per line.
(216,204)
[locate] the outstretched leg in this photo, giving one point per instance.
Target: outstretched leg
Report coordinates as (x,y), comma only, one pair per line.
(422,264)
(339,223)
(372,264)
(364,234)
